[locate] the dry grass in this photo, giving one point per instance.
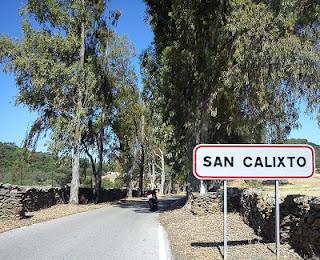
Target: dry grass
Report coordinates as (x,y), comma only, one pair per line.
(194,237)
(309,187)
(53,212)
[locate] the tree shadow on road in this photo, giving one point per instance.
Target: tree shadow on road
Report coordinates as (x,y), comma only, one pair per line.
(171,205)
(142,206)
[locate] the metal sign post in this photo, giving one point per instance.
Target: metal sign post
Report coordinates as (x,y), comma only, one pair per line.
(225,220)
(277,222)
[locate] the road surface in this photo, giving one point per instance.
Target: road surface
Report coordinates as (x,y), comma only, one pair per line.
(124,231)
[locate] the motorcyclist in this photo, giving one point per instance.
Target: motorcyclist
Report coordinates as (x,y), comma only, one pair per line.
(152,200)
(154,194)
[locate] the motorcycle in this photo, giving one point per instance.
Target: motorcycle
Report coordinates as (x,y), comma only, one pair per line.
(152,200)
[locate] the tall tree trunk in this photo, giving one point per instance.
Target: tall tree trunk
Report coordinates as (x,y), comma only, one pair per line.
(97,187)
(153,176)
(163,174)
(141,171)
(98,176)
(203,139)
(169,186)
(92,162)
(173,182)
(142,142)
(203,187)
(129,178)
(75,182)
(93,166)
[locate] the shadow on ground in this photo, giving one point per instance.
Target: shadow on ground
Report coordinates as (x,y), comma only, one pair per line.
(230,243)
(219,245)
(141,205)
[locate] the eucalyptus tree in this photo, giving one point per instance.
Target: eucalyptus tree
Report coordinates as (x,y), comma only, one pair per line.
(124,126)
(158,132)
(55,66)
(142,140)
(113,73)
(233,70)
(127,109)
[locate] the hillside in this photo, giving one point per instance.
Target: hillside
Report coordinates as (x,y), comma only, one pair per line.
(38,168)
(20,167)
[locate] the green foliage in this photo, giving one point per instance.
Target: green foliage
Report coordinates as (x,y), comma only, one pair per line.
(70,66)
(87,181)
(41,169)
(233,71)
(107,183)
(119,182)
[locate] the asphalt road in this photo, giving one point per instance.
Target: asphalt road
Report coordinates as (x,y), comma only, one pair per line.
(124,231)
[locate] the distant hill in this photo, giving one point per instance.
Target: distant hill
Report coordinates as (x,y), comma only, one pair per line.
(305,141)
(18,166)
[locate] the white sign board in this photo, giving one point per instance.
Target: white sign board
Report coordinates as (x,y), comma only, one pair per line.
(258,161)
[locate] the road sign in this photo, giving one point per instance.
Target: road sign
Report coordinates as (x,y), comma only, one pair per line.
(258,161)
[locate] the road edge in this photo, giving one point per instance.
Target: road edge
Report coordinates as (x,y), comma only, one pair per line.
(164,246)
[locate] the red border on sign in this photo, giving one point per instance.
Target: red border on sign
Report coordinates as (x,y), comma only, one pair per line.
(251,146)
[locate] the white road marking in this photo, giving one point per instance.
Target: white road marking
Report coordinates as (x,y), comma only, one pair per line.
(163,246)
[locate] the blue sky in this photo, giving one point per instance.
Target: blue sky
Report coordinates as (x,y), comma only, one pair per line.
(15,120)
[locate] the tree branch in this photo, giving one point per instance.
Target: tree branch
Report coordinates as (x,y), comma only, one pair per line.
(157,155)
(158,166)
(93,166)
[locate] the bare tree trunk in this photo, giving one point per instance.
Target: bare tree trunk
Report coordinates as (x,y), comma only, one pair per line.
(141,171)
(93,165)
(163,175)
(203,139)
(153,176)
(203,187)
(92,162)
(129,179)
(98,175)
(131,163)
(75,182)
(142,141)
(169,186)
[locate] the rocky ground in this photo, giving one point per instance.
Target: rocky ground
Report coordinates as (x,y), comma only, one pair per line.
(201,237)
(53,212)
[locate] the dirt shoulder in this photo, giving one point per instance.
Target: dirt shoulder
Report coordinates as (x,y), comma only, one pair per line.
(53,212)
(195,237)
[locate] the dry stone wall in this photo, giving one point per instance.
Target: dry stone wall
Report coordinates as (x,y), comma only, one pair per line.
(36,198)
(299,216)
(203,204)
(15,201)
(299,220)
(257,212)
(11,201)
(305,236)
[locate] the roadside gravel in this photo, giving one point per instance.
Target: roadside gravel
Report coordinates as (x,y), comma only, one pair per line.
(53,212)
(195,237)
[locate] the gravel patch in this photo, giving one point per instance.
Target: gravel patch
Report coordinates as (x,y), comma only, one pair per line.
(53,212)
(201,237)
